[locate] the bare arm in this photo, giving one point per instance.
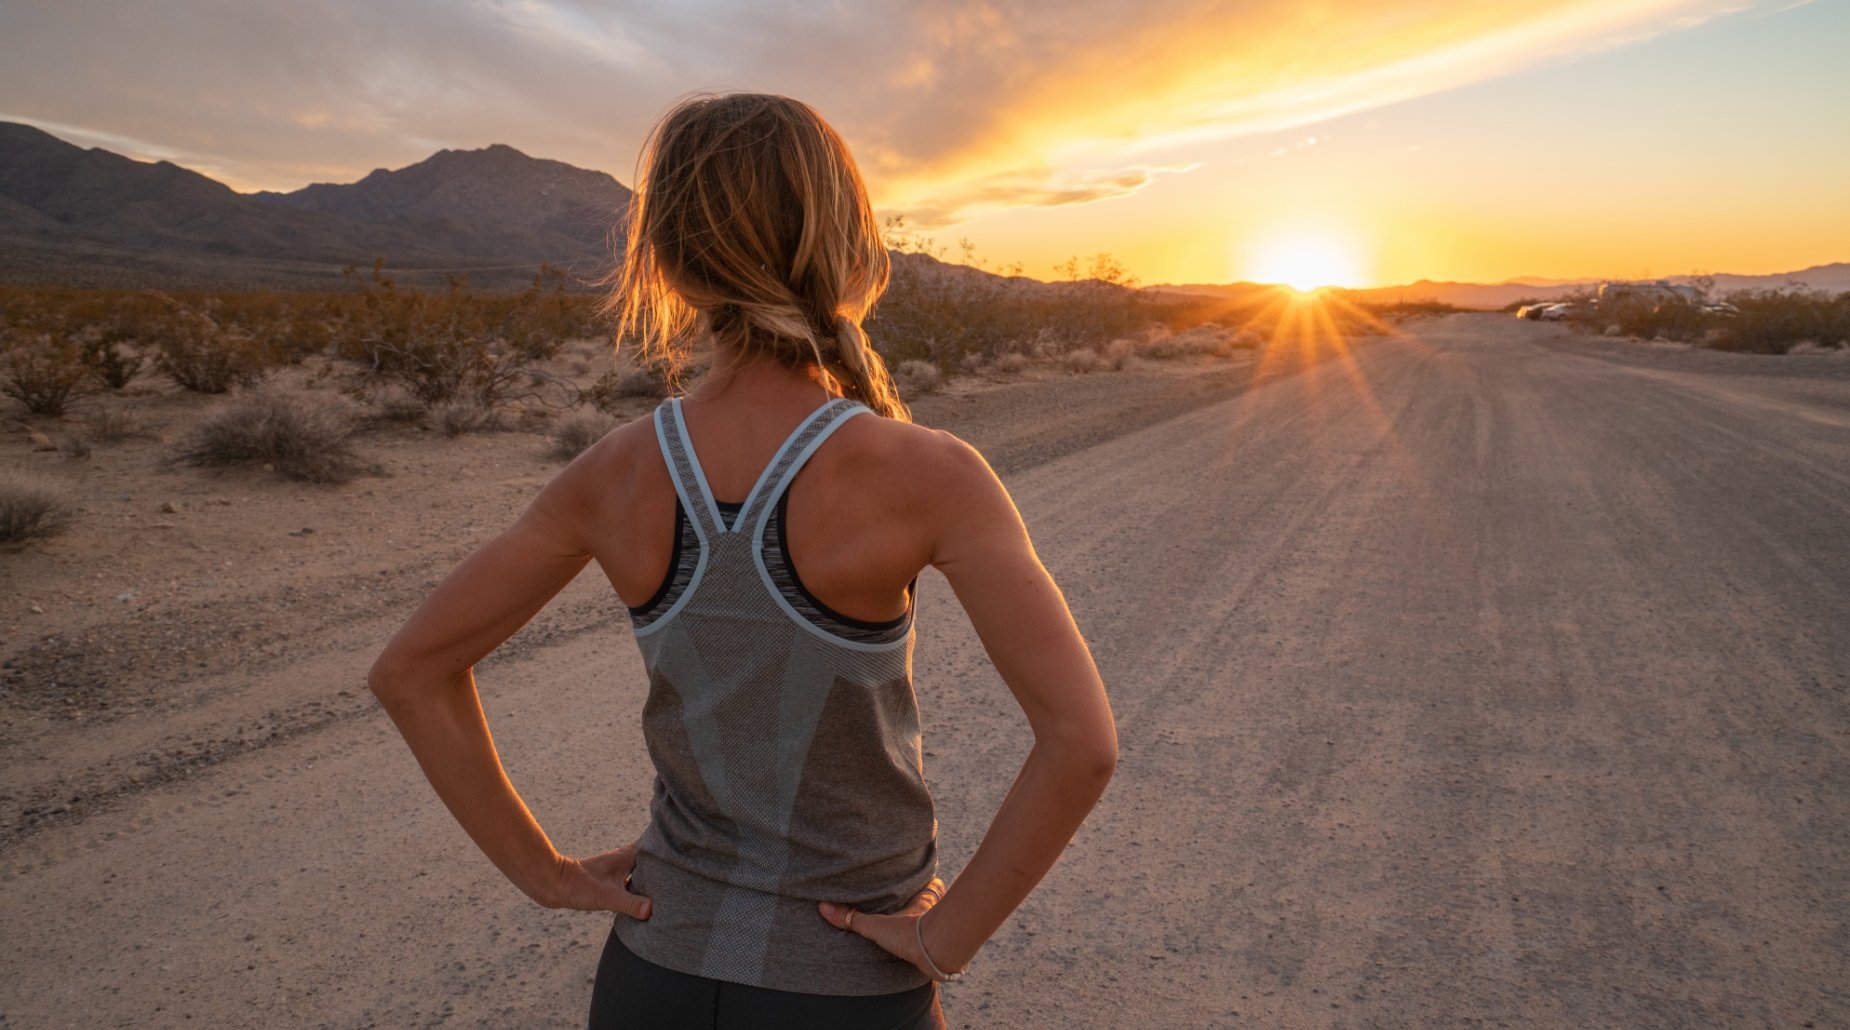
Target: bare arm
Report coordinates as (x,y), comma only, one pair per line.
(426,682)
(1025,626)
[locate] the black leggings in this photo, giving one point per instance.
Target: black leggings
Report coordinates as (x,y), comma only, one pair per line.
(634,993)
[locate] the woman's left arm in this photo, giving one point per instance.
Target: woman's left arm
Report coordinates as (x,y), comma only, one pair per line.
(425,679)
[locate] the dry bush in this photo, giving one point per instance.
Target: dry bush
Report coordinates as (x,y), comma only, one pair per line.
(1082,360)
(75,447)
(113,425)
(942,312)
(1012,362)
(1117,354)
(1208,339)
(574,435)
(463,416)
(114,365)
(917,378)
(30,509)
(202,354)
(304,442)
(43,371)
(1244,339)
(394,406)
(459,345)
(653,380)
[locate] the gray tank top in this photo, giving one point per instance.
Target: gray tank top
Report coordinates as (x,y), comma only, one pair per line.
(786,751)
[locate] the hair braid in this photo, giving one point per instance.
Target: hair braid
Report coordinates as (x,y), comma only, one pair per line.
(751,220)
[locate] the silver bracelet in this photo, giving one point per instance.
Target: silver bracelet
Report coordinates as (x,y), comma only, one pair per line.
(918,930)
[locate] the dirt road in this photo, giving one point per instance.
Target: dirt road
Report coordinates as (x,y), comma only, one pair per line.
(1492,677)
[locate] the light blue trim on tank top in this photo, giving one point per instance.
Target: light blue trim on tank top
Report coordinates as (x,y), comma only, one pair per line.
(687,504)
(764,518)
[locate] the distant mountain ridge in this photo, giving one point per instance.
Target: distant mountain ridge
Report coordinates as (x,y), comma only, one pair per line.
(70,216)
(495,186)
(1833,278)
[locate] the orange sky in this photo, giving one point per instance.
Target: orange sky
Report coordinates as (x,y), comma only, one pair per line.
(1365,141)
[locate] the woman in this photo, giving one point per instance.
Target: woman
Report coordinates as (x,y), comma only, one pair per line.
(768,541)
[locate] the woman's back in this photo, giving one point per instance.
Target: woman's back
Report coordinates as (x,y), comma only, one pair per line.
(786,746)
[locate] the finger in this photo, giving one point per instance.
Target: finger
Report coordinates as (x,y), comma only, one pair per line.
(614,898)
(836,915)
(613,865)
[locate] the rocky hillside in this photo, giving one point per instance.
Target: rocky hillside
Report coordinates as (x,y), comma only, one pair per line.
(70,216)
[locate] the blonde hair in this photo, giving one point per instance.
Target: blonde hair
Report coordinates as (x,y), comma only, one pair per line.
(750,221)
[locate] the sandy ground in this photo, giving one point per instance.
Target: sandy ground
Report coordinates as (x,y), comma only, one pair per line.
(1494,676)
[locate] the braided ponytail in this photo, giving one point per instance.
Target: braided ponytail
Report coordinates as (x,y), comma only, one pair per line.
(750,220)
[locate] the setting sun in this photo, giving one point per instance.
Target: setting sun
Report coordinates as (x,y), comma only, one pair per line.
(1305,262)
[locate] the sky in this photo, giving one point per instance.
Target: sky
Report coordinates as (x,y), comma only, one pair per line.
(1354,142)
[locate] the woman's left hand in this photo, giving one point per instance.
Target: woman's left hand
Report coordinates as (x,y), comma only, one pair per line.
(896,933)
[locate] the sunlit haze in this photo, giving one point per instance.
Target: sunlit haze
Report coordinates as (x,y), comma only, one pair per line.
(1355,142)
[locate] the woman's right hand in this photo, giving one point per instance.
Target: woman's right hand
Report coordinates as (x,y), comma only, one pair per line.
(599,884)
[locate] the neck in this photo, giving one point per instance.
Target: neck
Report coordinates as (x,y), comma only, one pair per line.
(747,378)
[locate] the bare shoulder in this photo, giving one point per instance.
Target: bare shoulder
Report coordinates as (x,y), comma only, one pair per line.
(626,460)
(910,458)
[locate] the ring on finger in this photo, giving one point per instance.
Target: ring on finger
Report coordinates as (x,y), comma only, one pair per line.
(848,923)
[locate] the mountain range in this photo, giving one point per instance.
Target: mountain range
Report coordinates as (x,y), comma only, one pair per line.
(92,218)
(76,217)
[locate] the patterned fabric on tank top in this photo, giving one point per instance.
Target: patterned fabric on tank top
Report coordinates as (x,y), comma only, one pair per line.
(786,749)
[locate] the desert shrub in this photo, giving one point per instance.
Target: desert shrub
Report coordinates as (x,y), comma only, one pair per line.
(1651,318)
(465,415)
(459,345)
(1117,354)
(1762,322)
(29,509)
(113,425)
(943,312)
(109,361)
(75,447)
(917,378)
(654,379)
(43,371)
(1205,339)
(202,354)
(1776,322)
(304,442)
(1403,310)
(1082,360)
(575,434)
(1014,361)
(394,406)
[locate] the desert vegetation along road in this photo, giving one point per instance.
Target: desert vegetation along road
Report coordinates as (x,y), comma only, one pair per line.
(1496,675)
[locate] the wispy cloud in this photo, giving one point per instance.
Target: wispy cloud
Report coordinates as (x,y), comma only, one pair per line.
(955,106)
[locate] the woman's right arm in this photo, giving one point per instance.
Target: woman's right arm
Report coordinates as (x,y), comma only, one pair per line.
(1022,619)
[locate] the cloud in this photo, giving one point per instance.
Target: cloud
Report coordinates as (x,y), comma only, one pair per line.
(1029,187)
(953,106)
